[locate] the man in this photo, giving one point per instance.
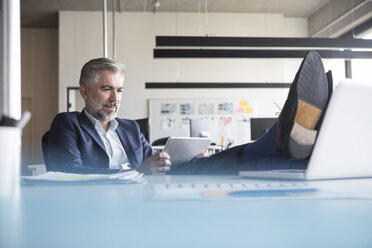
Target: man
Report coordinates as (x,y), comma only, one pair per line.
(86,142)
(95,141)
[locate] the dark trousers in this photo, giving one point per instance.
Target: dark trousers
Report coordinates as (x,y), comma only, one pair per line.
(258,155)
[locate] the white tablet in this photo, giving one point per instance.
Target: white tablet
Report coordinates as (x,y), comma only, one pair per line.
(183,149)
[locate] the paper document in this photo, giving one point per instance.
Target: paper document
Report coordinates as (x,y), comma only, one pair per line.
(132,176)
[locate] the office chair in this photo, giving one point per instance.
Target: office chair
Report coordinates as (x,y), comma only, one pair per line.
(144,127)
(259,126)
(160,142)
(44,144)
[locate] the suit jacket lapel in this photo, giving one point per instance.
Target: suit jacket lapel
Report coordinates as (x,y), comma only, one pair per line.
(90,129)
(126,145)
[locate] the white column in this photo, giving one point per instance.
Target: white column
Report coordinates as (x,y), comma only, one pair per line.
(11,60)
(113,30)
(105,28)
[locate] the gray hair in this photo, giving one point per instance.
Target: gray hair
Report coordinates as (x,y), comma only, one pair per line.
(89,72)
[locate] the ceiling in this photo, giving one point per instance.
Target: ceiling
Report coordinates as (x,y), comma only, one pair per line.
(43,13)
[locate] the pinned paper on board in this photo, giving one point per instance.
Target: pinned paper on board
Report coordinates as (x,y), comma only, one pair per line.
(187,109)
(171,117)
(243,119)
(225,121)
(206,108)
(185,123)
(241,130)
(168,123)
(226,108)
(168,108)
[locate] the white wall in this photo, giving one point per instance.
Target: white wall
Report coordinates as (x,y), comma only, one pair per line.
(80,39)
(39,66)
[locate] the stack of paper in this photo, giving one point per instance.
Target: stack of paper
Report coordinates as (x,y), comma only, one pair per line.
(131,176)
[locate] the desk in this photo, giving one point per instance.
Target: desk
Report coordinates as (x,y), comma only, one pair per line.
(119,215)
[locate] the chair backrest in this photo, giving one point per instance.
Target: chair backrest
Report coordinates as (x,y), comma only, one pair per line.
(44,145)
(144,127)
(160,142)
(259,126)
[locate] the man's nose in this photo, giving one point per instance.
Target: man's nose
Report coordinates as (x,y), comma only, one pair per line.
(114,96)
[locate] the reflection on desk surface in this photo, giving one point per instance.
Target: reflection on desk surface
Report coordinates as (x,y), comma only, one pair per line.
(90,215)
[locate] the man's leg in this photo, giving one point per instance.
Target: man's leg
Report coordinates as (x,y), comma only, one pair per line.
(258,155)
(302,114)
(231,161)
(306,102)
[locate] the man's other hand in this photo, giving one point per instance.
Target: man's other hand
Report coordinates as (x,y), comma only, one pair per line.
(156,164)
(204,154)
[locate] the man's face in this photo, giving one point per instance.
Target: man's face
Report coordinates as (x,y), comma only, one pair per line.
(102,99)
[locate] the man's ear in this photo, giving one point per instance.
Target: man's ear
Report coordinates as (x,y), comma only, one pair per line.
(84,91)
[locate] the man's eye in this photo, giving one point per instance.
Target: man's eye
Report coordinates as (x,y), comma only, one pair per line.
(105,89)
(120,90)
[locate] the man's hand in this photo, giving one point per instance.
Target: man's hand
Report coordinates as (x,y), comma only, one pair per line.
(204,154)
(156,164)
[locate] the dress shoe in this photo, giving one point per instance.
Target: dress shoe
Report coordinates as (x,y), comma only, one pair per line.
(297,125)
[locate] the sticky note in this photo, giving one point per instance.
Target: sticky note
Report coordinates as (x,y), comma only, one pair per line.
(248,110)
(227,121)
(239,110)
(243,103)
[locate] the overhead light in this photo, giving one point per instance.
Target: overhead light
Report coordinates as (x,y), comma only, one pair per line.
(254,53)
(219,85)
(212,41)
(258,47)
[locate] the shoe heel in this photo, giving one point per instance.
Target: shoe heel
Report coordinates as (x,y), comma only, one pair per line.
(303,135)
(307,115)
(301,141)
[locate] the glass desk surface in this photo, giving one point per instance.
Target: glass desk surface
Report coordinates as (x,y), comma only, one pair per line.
(190,211)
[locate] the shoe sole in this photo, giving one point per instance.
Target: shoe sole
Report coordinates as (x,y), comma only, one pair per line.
(312,98)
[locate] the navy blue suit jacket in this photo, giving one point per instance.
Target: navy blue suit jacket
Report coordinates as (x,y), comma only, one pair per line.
(75,146)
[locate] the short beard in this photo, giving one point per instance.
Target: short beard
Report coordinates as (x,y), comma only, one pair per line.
(98,110)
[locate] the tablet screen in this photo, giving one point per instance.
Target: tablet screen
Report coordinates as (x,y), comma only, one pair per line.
(183,149)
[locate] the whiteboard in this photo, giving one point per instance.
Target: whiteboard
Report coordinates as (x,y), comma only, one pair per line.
(170,117)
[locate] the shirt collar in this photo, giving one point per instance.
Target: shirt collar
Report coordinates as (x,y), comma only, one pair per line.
(97,124)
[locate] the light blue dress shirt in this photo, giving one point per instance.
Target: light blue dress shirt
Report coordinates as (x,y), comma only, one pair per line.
(114,149)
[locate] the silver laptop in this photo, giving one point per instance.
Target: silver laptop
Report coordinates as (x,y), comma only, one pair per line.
(344,145)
